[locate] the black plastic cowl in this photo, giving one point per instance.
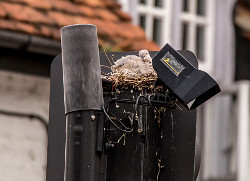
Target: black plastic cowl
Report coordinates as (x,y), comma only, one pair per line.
(191,86)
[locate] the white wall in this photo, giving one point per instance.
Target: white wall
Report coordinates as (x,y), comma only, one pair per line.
(23,141)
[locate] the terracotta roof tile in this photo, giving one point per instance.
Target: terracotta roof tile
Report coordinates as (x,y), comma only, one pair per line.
(17,26)
(123,16)
(46,31)
(25,13)
(62,19)
(92,3)
(87,11)
(122,31)
(6,24)
(104,28)
(46,17)
(132,31)
(40,4)
(106,15)
(66,6)
(112,4)
(16,1)
(3,12)
(144,44)
(50,32)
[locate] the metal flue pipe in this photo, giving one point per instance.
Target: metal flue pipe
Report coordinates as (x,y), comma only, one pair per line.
(83,99)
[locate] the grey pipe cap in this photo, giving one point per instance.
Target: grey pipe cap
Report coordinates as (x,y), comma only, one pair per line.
(81,68)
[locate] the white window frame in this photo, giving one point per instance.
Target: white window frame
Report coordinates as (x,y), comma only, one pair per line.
(208,22)
(241,90)
(135,9)
(169,20)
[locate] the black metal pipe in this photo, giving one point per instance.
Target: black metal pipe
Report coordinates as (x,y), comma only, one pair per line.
(83,99)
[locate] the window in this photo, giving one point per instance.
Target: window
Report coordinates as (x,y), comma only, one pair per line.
(200,10)
(142,21)
(158,3)
(200,6)
(200,34)
(197,30)
(185,5)
(184,35)
(157,27)
(154,16)
(143,1)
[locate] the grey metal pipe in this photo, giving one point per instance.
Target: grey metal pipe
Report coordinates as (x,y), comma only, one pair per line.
(83,99)
(81,68)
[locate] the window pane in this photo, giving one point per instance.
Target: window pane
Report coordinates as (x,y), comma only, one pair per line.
(201,7)
(185,5)
(200,33)
(184,36)
(158,3)
(157,30)
(142,21)
(143,1)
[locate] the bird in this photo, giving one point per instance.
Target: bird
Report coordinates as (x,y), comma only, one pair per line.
(135,66)
(145,56)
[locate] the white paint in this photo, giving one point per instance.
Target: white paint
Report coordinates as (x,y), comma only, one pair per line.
(208,23)
(240,110)
(207,142)
(23,142)
(243,129)
(164,13)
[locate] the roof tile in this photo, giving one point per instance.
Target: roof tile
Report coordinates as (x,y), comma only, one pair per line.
(123,16)
(40,4)
(144,44)
(8,25)
(66,6)
(3,12)
(112,4)
(50,32)
(103,28)
(17,26)
(92,3)
(105,15)
(16,1)
(65,19)
(131,31)
(46,17)
(25,13)
(87,11)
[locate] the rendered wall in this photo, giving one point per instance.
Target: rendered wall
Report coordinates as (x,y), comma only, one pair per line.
(23,141)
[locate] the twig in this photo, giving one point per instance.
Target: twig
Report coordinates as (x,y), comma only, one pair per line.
(105,66)
(112,58)
(104,73)
(105,52)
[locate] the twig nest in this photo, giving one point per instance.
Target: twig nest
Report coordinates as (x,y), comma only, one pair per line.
(133,70)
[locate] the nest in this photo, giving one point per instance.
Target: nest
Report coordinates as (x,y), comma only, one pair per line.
(119,80)
(132,72)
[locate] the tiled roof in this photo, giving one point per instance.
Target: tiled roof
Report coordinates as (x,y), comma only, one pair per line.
(45,18)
